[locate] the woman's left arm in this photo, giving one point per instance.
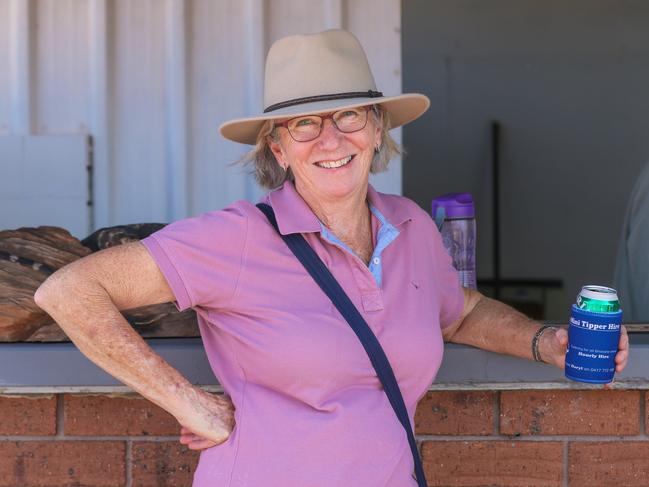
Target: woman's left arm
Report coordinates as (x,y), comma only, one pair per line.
(491,325)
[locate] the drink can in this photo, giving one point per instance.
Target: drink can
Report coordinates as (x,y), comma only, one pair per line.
(593,335)
(599,299)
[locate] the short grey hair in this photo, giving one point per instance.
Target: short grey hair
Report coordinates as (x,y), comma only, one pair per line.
(270,175)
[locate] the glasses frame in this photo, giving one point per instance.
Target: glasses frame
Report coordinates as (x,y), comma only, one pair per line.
(323,117)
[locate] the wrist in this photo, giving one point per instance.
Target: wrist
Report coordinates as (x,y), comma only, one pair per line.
(541,343)
(198,402)
(188,398)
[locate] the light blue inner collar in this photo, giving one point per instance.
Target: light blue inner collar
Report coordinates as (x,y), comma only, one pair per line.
(386,234)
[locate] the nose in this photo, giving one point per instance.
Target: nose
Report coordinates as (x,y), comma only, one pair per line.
(330,135)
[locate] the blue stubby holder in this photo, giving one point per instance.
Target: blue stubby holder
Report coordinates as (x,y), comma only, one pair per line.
(592,344)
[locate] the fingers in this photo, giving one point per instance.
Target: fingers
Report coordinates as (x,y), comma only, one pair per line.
(194,442)
(624,339)
(621,359)
(201,444)
(622,356)
(562,336)
(187,439)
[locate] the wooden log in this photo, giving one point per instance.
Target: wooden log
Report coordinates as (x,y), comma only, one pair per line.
(111,236)
(29,255)
(155,321)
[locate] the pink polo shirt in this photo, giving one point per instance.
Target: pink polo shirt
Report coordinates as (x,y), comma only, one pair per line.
(310,410)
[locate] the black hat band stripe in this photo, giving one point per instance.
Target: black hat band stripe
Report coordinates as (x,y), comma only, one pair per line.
(334,96)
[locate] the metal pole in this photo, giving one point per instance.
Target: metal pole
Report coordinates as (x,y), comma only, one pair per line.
(495,166)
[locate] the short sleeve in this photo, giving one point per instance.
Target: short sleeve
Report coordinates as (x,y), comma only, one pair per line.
(201,257)
(451,294)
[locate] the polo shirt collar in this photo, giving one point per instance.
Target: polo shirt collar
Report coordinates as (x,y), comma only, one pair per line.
(294,215)
(396,214)
(291,211)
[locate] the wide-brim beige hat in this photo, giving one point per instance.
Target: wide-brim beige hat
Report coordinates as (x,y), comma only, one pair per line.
(320,73)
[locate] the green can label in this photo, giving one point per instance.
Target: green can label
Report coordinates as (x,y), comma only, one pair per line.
(598,299)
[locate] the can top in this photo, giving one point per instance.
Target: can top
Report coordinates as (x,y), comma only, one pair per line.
(599,299)
(456,205)
(601,293)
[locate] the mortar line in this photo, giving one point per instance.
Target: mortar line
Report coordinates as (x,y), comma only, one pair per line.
(60,416)
(566,466)
(537,438)
(93,438)
(496,413)
(420,438)
(128,465)
(642,413)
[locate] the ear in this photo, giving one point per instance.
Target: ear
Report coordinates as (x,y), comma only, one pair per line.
(278,151)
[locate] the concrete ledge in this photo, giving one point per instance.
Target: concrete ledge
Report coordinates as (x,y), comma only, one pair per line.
(60,367)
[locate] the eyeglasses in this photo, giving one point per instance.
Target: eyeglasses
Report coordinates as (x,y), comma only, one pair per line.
(309,127)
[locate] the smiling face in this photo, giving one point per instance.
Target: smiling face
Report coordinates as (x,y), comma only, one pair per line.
(333,166)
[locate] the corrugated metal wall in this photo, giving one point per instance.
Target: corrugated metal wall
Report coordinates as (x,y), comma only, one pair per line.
(151,80)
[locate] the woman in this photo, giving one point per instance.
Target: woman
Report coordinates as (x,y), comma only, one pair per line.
(307,408)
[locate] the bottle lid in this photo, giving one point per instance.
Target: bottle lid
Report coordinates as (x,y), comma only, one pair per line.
(456,205)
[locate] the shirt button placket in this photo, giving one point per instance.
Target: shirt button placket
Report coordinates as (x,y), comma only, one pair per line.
(371,295)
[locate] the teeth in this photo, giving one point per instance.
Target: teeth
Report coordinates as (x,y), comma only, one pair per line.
(332,164)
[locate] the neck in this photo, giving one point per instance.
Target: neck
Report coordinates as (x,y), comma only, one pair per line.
(348,218)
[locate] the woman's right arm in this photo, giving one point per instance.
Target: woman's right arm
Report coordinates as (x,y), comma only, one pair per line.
(85,297)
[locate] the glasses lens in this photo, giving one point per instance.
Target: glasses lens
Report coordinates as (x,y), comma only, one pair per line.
(305,128)
(350,119)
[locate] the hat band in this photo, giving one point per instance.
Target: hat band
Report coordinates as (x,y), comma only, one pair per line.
(334,96)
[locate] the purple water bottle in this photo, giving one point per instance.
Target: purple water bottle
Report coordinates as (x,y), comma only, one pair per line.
(454,214)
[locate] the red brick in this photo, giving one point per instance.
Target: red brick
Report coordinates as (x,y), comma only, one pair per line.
(455,413)
(163,463)
(609,463)
(592,412)
(28,415)
(123,415)
(646,413)
(501,463)
(62,463)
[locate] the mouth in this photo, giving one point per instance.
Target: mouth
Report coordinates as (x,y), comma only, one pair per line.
(334,164)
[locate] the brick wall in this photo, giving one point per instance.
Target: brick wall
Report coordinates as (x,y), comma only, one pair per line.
(506,438)
(535,438)
(90,441)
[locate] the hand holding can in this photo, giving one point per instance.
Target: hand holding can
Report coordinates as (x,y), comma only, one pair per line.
(593,335)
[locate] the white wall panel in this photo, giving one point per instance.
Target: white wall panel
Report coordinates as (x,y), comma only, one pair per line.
(379,31)
(4,73)
(99,113)
(287,17)
(151,80)
(45,182)
(20,66)
(255,54)
(176,113)
(60,67)
(137,74)
(218,93)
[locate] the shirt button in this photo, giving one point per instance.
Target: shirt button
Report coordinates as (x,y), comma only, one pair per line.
(376,260)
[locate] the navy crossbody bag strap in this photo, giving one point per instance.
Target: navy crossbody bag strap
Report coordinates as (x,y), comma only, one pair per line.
(328,283)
